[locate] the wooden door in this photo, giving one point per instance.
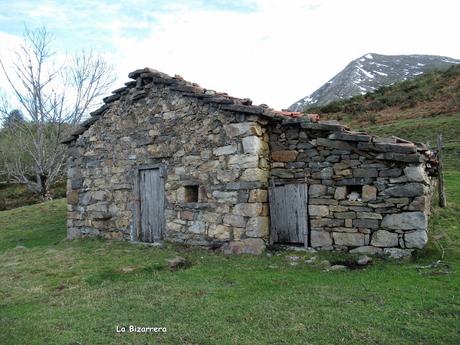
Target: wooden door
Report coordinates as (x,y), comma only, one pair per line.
(289,213)
(151,198)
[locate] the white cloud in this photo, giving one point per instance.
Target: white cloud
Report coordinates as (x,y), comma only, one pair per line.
(276,54)
(286,49)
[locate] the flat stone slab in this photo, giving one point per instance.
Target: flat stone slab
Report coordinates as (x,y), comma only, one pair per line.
(400,157)
(322,126)
(349,136)
(387,147)
(405,221)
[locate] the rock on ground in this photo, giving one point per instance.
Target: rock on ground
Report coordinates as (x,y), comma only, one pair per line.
(338,268)
(364,260)
(177,262)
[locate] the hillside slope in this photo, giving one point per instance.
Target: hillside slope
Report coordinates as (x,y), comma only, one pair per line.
(371,71)
(416,109)
(425,130)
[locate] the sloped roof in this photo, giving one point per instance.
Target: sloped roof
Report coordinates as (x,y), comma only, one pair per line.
(393,148)
(142,77)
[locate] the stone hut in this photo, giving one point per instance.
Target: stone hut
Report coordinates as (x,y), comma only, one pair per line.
(164,159)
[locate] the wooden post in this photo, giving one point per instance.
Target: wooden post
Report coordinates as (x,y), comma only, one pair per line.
(442,192)
(271,202)
(307,228)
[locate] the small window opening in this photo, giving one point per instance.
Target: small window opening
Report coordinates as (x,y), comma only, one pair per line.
(354,193)
(191,193)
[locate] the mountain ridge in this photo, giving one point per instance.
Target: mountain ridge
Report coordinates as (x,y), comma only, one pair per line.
(370,72)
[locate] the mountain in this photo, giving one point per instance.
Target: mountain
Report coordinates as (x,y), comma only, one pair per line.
(368,73)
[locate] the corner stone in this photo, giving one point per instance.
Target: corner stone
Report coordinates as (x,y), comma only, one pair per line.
(405,221)
(253,145)
(258,195)
(72,197)
(416,239)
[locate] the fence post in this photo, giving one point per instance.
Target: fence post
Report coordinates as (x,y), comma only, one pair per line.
(442,192)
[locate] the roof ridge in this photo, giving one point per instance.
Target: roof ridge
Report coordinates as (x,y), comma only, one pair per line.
(144,77)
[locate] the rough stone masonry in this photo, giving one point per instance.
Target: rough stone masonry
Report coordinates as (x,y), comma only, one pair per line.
(219,155)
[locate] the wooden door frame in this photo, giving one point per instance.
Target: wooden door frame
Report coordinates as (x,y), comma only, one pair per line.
(136,227)
(273,184)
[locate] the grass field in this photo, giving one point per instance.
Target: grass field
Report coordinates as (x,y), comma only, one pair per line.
(54,291)
(426,129)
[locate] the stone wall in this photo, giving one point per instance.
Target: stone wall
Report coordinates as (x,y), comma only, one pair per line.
(366,194)
(223,152)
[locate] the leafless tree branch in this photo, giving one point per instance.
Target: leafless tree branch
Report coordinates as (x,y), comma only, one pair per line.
(53,101)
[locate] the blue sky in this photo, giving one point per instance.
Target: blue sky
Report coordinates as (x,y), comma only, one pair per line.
(90,24)
(271,51)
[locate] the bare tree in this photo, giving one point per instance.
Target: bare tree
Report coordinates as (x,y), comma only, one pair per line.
(54,93)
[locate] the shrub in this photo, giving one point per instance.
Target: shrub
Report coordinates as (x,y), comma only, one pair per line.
(372,119)
(333,107)
(375,106)
(408,104)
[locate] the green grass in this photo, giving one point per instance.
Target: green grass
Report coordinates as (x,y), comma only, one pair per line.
(38,225)
(426,130)
(54,291)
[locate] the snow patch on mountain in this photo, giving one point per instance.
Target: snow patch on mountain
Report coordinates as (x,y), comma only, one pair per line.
(369,72)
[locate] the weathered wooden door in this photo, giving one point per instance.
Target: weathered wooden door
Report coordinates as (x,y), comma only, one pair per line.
(151,198)
(289,213)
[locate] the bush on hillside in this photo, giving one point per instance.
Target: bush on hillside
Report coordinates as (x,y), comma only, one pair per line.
(333,107)
(372,118)
(376,105)
(17,195)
